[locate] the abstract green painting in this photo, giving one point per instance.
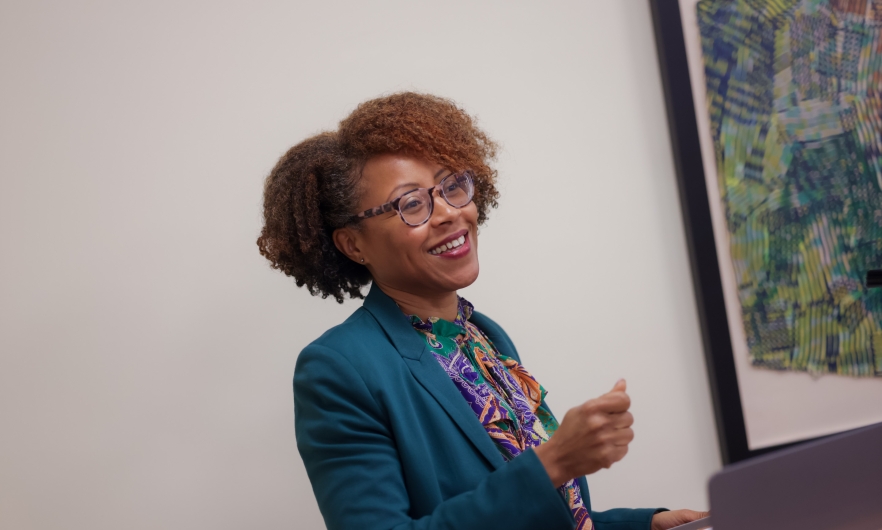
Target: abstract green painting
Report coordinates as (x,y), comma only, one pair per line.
(794,91)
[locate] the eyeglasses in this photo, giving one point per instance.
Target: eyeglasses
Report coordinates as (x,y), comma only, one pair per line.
(415,206)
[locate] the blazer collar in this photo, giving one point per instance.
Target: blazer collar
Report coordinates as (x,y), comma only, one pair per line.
(395,323)
(425,369)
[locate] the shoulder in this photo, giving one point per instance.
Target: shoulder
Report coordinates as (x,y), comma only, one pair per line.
(350,333)
(358,346)
(496,334)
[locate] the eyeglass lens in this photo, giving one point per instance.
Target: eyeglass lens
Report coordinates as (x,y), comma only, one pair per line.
(416,206)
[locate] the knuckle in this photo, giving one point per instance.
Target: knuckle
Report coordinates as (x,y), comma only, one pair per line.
(609,455)
(590,423)
(595,422)
(604,437)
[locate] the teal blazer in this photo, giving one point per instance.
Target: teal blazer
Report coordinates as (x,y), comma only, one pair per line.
(389,443)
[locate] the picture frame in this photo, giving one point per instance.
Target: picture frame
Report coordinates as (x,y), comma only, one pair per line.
(700,238)
(718,321)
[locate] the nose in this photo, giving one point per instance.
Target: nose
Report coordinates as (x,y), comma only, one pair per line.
(443,212)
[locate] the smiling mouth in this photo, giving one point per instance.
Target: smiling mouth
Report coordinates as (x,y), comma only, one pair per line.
(456,243)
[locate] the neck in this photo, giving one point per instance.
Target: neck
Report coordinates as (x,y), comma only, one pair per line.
(443,305)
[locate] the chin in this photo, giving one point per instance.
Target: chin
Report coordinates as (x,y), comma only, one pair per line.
(466,279)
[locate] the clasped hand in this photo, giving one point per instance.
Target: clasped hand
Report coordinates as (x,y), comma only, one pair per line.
(596,435)
(592,436)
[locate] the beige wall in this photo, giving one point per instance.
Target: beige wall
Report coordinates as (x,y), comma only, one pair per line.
(146,347)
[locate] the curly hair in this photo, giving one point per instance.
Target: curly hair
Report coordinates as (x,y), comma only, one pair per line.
(314,188)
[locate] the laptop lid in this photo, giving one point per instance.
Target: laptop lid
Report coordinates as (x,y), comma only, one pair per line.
(831,483)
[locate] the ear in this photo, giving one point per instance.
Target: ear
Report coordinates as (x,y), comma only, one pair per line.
(348,241)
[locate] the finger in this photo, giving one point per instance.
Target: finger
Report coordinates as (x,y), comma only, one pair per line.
(620,386)
(613,402)
(615,454)
(622,437)
(622,420)
(687,516)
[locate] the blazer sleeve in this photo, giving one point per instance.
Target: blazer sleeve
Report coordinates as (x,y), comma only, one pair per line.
(624,518)
(352,463)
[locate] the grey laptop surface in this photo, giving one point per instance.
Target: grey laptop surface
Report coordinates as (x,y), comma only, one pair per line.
(834,483)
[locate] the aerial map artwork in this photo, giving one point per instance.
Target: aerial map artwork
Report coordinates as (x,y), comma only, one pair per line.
(794,90)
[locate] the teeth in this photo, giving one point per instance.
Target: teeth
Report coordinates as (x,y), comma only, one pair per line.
(447,246)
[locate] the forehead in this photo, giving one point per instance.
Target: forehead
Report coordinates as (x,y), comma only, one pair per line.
(384,174)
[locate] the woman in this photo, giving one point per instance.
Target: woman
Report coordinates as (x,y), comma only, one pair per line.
(416,411)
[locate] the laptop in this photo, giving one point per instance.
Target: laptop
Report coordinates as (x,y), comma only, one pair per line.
(834,483)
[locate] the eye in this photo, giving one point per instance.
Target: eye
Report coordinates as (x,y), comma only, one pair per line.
(451,186)
(410,204)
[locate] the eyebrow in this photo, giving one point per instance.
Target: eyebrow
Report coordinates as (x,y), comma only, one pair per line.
(411,185)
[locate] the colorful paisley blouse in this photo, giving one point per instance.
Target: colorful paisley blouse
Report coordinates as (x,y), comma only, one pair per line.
(503,395)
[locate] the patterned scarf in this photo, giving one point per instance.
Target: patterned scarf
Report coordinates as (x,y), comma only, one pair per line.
(507,400)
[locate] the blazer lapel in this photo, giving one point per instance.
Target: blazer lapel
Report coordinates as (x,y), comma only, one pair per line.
(428,372)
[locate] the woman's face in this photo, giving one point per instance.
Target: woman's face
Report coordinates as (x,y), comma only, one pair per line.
(401,256)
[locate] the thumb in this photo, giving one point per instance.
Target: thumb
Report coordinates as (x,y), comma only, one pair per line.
(620,386)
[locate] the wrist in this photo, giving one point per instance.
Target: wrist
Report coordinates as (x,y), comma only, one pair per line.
(550,461)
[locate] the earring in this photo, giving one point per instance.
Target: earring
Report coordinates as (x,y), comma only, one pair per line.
(362,260)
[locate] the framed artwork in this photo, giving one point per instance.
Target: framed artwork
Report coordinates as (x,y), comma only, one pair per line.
(775,113)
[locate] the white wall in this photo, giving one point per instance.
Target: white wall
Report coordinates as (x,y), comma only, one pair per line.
(147,348)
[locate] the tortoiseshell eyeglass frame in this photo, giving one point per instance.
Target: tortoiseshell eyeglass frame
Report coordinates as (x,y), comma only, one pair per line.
(393,204)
